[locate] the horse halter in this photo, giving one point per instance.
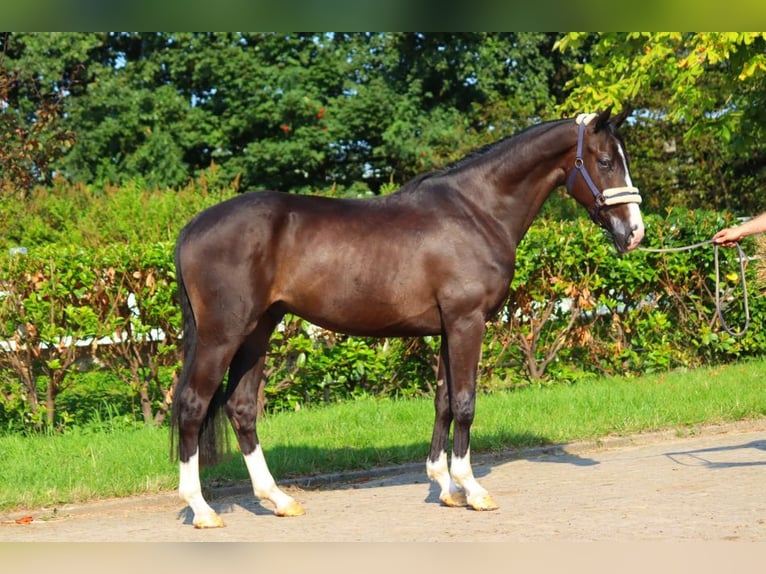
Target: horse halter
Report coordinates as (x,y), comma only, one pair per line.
(611,195)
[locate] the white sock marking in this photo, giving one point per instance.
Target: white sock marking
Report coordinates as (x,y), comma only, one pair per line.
(190,490)
(264,486)
(462,474)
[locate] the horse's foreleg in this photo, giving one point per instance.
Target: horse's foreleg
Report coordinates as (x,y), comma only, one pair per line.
(464,338)
(245,378)
(436,466)
(477,496)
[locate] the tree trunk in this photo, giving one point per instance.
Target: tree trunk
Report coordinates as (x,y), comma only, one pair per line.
(50,399)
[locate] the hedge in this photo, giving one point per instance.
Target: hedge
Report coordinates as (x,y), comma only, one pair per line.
(576,309)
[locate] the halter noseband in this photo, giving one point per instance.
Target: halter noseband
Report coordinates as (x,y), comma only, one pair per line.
(611,195)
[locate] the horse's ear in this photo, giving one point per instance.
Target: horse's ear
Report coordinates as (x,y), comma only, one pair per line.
(602,119)
(617,120)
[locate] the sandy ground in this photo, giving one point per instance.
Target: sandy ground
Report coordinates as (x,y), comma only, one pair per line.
(656,487)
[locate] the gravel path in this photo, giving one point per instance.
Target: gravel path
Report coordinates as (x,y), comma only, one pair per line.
(707,486)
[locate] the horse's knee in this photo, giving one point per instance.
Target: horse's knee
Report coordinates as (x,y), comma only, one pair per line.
(463,409)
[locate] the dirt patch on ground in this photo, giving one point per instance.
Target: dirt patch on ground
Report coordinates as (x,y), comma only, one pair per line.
(704,486)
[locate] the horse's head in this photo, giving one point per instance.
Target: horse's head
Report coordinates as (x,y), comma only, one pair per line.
(599,178)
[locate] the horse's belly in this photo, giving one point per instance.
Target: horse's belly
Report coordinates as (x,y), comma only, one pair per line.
(366,311)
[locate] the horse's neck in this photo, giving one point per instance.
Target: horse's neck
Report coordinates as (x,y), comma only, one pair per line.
(515,184)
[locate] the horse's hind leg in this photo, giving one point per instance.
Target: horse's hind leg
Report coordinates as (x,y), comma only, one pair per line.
(207,368)
(245,379)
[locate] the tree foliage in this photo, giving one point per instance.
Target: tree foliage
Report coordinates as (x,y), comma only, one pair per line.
(284,111)
(352,112)
(33,134)
(700,101)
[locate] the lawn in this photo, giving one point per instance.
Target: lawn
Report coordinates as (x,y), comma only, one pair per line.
(45,471)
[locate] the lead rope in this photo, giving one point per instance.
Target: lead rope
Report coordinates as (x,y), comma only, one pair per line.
(718,305)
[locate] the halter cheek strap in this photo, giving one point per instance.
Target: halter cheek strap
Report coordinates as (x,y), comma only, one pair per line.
(611,195)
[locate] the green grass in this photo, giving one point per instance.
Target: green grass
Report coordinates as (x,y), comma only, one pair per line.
(44,471)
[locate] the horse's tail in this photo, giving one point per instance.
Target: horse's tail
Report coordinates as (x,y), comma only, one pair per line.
(212,436)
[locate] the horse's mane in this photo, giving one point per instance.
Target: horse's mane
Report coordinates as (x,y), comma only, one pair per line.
(504,144)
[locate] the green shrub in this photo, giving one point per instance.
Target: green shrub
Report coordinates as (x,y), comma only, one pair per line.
(99,270)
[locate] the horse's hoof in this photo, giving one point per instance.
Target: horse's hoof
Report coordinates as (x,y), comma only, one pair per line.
(483,502)
(209,521)
(292,509)
(454,499)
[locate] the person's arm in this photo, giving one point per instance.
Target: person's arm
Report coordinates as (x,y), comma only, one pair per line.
(730,235)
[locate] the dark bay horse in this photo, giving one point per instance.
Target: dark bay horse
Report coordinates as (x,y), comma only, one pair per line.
(434,258)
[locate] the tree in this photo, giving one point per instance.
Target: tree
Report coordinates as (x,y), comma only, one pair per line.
(33,134)
(704,91)
(451,93)
(312,111)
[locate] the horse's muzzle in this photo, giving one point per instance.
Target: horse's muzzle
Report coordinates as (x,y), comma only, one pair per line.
(636,237)
(625,225)
(628,241)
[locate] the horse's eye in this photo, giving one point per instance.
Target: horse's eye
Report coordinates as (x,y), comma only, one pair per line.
(604,162)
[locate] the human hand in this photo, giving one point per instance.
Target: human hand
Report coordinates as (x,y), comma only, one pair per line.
(728,237)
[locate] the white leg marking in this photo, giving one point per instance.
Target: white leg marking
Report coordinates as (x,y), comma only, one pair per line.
(451,494)
(191,492)
(462,474)
(265,488)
